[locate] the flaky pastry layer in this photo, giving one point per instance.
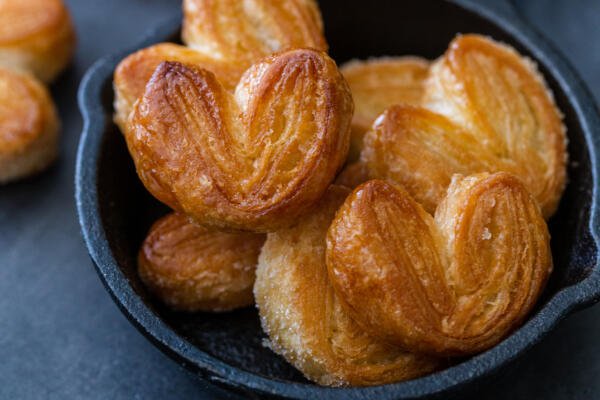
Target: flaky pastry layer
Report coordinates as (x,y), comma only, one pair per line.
(304,318)
(226,38)
(134,72)
(243,32)
(379,83)
(191,268)
(499,96)
(486,109)
(451,284)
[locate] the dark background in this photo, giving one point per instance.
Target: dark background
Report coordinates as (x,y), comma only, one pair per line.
(62,337)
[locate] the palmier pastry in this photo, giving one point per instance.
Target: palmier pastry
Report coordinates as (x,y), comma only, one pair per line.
(28,126)
(488,89)
(36,36)
(453,284)
(304,318)
(379,83)
(246,31)
(254,161)
(422,150)
(191,268)
(134,72)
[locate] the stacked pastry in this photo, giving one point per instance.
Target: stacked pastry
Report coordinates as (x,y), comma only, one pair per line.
(36,43)
(432,242)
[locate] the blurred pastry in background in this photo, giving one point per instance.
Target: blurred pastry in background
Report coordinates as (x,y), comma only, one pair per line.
(36,36)
(37,40)
(28,126)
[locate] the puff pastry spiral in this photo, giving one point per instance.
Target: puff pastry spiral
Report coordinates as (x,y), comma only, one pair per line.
(193,269)
(36,36)
(28,126)
(490,110)
(451,284)
(304,318)
(254,161)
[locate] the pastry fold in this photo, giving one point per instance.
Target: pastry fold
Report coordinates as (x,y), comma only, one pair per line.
(28,126)
(451,284)
(224,37)
(379,83)
(36,36)
(134,72)
(486,108)
(256,160)
(191,268)
(243,32)
(303,316)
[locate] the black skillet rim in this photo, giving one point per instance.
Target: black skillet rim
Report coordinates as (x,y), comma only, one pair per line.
(564,302)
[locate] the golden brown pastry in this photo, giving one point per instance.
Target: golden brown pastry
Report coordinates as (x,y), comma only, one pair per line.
(246,31)
(191,268)
(453,284)
(226,37)
(488,89)
(304,318)
(379,83)
(36,36)
(134,72)
(28,126)
(254,161)
(422,150)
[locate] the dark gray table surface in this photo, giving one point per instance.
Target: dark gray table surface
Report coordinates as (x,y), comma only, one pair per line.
(62,337)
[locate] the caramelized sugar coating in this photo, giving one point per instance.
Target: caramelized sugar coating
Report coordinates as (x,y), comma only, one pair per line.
(134,72)
(379,83)
(488,89)
(303,316)
(190,268)
(453,284)
(255,161)
(36,36)
(422,150)
(28,126)
(243,32)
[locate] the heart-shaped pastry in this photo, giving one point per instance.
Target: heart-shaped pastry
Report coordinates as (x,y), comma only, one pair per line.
(244,31)
(191,268)
(451,284)
(379,83)
(491,91)
(488,110)
(305,320)
(226,38)
(256,160)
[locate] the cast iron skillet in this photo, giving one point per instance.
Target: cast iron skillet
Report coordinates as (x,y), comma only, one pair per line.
(115,211)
